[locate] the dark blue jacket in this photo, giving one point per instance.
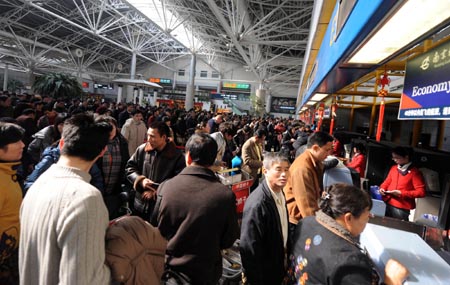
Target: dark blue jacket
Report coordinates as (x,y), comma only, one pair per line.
(50,156)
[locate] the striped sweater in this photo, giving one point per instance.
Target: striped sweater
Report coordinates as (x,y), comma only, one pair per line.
(64,222)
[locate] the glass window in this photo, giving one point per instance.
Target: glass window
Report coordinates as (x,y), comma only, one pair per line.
(203,73)
(215,74)
(181,72)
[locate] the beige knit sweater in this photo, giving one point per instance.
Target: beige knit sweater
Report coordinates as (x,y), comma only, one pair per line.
(64,222)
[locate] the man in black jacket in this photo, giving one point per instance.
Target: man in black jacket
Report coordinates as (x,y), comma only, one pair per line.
(264,231)
(151,164)
(197,215)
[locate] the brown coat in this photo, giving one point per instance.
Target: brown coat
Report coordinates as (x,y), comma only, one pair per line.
(250,161)
(135,251)
(304,187)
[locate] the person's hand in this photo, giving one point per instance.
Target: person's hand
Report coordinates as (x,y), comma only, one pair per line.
(396,193)
(147,184)
(393,192)
(148,195)
(395,272)
(382,191)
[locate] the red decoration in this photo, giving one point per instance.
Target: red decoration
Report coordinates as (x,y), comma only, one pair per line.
(385,80)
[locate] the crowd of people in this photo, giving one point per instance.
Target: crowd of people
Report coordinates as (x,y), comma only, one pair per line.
(64,165)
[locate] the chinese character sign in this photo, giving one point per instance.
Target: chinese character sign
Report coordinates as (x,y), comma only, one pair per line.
(426,93)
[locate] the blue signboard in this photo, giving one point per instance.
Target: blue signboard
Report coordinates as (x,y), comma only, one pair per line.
(336,44)
(426,91)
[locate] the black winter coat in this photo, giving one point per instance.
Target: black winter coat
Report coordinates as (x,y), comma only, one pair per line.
(324,257)
(198,217)
(261,243)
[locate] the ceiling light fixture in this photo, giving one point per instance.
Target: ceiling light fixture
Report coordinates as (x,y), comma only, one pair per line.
(318,97)
(416,17)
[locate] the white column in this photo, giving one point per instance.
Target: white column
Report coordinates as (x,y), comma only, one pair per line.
(135,94)
(219,84)
(260,97)
(155,97)
(130,89)
(5,78)
(268,102)
(119,94)
(141,96)
(189,101)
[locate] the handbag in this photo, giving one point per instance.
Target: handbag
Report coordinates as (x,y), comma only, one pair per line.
(171,277)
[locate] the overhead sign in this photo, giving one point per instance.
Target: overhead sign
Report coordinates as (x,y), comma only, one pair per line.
(283,105)
(233,85)
(427,86)
(160,80)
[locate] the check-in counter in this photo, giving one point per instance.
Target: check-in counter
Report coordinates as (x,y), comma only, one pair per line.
(409,248)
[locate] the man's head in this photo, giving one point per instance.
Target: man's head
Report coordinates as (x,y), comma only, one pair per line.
(320,144)
(260,136)
(84,138)
(11,145)
(218,119)
(227,130)
(137,115)
(5,101)
(157,135)
(130,107)
(29,112)
(276,170)
(201,149)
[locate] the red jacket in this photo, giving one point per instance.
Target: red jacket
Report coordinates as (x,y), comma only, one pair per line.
(359,164)
(411,186)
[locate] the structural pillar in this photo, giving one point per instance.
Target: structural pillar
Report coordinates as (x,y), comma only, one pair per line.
(219,84)
(5,78)
(189,101)
(130,89)
(268,102)
(119,94)
(141,96)
(260,98)
(155,98)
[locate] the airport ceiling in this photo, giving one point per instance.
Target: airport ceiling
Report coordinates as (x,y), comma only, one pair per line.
(98,37)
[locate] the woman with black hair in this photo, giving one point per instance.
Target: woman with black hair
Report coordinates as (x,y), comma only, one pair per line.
(46,137)
(403,184)
(326,247)
(358,161)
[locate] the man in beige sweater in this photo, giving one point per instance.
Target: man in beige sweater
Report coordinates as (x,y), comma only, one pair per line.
(63,217)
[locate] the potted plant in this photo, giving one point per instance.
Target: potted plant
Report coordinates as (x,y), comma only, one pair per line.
(58,85)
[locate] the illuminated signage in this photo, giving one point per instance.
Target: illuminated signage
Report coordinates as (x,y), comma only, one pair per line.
(85,84)
(160,80)
(232,85)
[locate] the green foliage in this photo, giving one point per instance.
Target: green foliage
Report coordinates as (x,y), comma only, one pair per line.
(58,85)
(257,104)
(15,85)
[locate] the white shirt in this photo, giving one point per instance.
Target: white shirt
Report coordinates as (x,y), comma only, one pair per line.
(280,201)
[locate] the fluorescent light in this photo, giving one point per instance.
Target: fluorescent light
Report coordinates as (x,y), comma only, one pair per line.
(415,17)
(318,96)
(310,103)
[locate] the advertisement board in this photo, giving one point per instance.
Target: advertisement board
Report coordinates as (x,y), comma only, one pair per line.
(427,86)
(283,105)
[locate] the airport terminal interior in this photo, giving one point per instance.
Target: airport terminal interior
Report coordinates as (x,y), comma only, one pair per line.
(371,73)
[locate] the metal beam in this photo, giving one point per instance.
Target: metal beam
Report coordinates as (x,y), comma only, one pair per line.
(366,93)
(213,6)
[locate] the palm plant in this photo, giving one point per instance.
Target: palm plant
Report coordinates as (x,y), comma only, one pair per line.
(14,85)
(58,85)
